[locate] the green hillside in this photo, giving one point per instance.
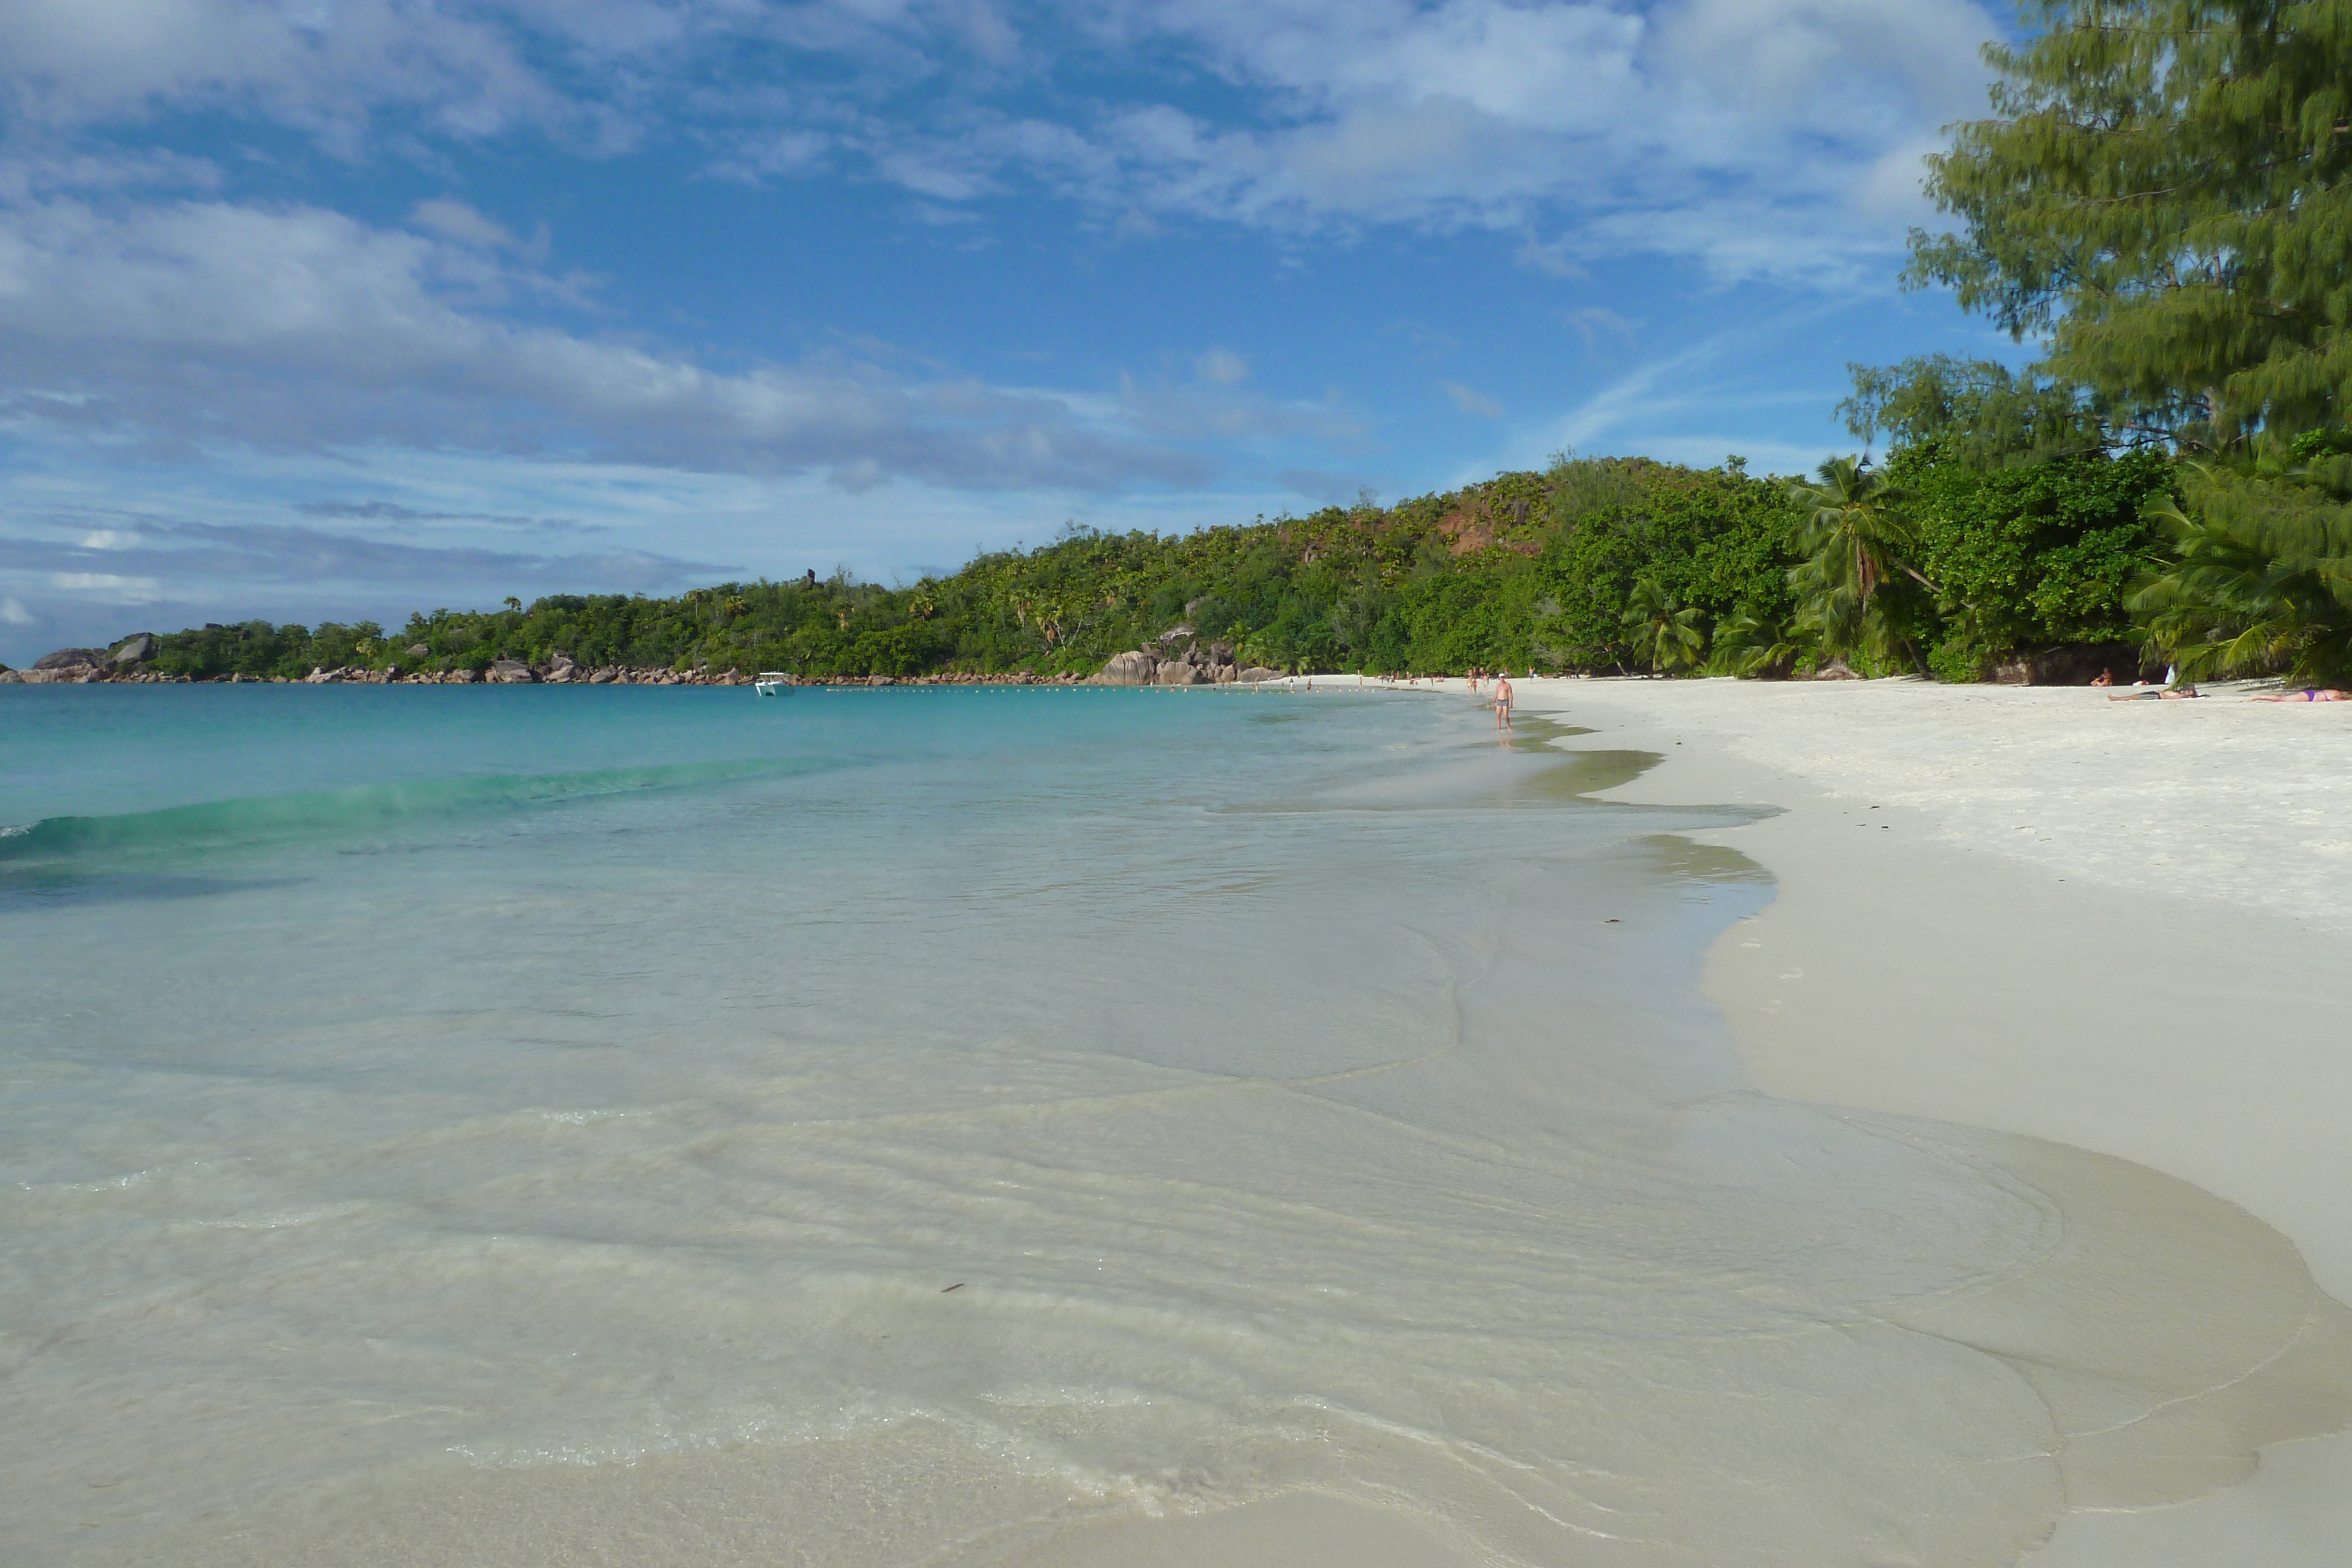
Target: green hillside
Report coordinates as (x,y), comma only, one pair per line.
(1597,564)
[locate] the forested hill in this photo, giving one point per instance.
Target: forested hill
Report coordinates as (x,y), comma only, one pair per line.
(1592,564)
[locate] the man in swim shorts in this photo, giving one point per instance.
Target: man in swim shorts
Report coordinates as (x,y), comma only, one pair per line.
(1501,702)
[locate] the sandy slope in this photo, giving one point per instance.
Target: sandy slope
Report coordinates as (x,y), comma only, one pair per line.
(2116,926)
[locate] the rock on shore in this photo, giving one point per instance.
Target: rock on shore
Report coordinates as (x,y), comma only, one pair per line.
(1136,669)
(1178,657)
(82,665)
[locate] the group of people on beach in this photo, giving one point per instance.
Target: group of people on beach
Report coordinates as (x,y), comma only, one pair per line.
(1499,696)
(2175,690)
(1499,699)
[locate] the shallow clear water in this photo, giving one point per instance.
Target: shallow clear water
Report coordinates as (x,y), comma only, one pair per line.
(974,1110)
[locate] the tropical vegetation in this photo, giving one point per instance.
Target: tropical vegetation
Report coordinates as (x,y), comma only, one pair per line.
(2163,201)
(1618,565)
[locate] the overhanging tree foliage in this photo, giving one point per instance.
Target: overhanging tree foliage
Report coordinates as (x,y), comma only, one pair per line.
(2262,575)
(1980,411)
(2162,196)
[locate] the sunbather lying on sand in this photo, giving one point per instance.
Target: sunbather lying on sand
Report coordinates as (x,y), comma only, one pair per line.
(2308,694)
(2153,693)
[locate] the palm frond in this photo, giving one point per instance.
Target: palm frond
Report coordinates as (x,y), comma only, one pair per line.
(2261,581)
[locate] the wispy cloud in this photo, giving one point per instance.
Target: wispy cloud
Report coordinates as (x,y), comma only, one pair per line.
(1654,404)
(1530,118)
(1470,401)
(1595,323)
(145,551)
(301,327)
(113,586)
(1221,366)
(392,512)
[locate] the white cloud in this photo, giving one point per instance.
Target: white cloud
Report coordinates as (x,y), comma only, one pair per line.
(14,613)
(296,326)
(323,69)
(1209,410)
(111,586)
(1593,322)
(1610,126)
(1221,366)
(1470,401)
(1672,128)
(454,220)
(1552,259)
(1707,384)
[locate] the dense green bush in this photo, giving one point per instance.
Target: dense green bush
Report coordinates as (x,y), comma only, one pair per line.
(2030,557)
(259,650)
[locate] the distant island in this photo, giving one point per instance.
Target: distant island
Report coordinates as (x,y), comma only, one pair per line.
(1961,559)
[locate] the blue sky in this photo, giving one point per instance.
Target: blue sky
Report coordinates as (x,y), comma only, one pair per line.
(334,308)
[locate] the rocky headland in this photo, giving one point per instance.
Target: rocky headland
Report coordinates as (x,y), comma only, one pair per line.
(130,663)
(1177,657)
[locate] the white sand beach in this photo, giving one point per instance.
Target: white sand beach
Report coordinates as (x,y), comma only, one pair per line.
(2115,925)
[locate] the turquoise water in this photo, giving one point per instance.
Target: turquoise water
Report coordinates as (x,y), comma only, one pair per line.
(973,1111)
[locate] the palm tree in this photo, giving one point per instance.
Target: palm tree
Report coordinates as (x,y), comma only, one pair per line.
(1853,531)
(1748,645)
(2262,582)
(1666,634)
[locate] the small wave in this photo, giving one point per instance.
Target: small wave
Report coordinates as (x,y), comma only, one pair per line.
(228,824)
(280,1219)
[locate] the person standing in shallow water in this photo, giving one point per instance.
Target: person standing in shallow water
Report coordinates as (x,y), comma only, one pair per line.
(1501,702)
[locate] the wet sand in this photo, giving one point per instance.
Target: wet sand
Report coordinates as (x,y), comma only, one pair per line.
(2118,926)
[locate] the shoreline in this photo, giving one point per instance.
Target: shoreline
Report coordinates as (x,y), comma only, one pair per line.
(2164,1008)
(520,675)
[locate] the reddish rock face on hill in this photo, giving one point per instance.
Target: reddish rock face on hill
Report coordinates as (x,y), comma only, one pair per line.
(1482,522)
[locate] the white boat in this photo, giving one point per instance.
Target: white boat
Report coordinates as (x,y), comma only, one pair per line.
(771,683)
